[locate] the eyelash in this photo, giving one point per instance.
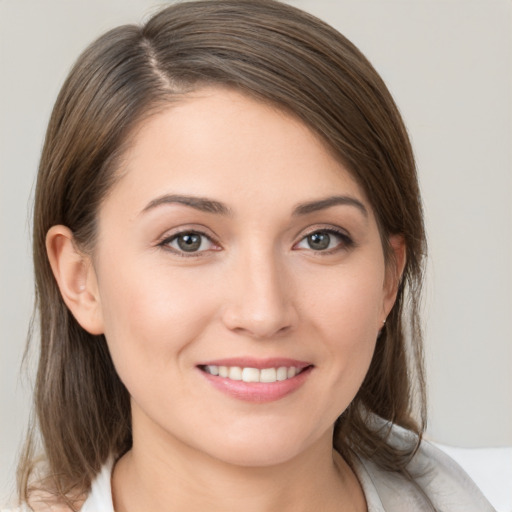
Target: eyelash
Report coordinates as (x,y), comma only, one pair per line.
(346,242)
(165,243)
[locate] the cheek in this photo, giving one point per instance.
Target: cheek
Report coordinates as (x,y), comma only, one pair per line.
(347,302)
(346,312)
(150,316)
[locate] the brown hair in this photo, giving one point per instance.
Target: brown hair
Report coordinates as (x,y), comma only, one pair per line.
(275,53)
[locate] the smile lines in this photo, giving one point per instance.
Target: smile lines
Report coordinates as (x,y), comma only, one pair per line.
(266,375)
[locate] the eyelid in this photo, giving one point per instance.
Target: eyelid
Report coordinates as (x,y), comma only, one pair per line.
(170,235)
(347,240)
(333,228)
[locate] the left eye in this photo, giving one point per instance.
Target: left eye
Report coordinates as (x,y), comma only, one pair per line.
(323,240)
(189,242)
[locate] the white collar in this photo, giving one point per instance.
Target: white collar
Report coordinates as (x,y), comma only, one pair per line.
(100,496)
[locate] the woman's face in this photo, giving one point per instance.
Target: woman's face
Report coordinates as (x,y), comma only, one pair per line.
(240,280)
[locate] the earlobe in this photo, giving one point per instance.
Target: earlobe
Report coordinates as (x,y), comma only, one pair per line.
(75,278)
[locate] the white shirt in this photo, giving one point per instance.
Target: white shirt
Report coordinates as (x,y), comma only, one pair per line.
(434,476)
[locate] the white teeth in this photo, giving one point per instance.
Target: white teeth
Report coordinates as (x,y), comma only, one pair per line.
(282,373)
(250,375)
(235,373)
(212,369)
(267,375)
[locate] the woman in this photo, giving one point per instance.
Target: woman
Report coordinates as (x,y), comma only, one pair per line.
(228,243)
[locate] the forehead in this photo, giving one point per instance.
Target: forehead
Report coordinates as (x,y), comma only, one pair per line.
(220,143)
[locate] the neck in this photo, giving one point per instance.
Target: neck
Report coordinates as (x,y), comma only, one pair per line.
(168,476)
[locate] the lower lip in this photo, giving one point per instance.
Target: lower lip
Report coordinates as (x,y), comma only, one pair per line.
(259,392)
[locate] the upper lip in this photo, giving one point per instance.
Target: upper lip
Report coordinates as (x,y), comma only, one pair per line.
(251,362)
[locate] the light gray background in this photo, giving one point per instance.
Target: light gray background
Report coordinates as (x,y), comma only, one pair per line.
(448,64)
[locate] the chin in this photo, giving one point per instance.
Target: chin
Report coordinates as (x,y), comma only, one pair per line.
(258,457)
(265,449)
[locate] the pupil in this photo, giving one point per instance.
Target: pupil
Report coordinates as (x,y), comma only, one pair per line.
(190,242)
(319,241)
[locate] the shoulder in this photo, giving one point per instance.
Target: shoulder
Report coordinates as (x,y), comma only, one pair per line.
(431,479)
(99,498)
(38,506)
(39,503)
(41,499)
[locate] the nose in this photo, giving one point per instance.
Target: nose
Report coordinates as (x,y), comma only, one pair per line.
(261,301)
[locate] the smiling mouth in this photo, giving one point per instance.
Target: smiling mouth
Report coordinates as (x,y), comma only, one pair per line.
(248,374)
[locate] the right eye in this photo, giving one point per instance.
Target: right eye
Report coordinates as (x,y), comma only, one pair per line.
(189,242)
(325,241)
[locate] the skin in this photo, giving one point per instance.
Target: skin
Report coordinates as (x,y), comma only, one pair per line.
(255,288)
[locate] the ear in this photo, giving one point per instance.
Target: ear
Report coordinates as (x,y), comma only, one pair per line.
(76,278)
(394,271)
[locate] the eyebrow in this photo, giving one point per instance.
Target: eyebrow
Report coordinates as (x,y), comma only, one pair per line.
(322,204)
(211,206)
(199,203)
